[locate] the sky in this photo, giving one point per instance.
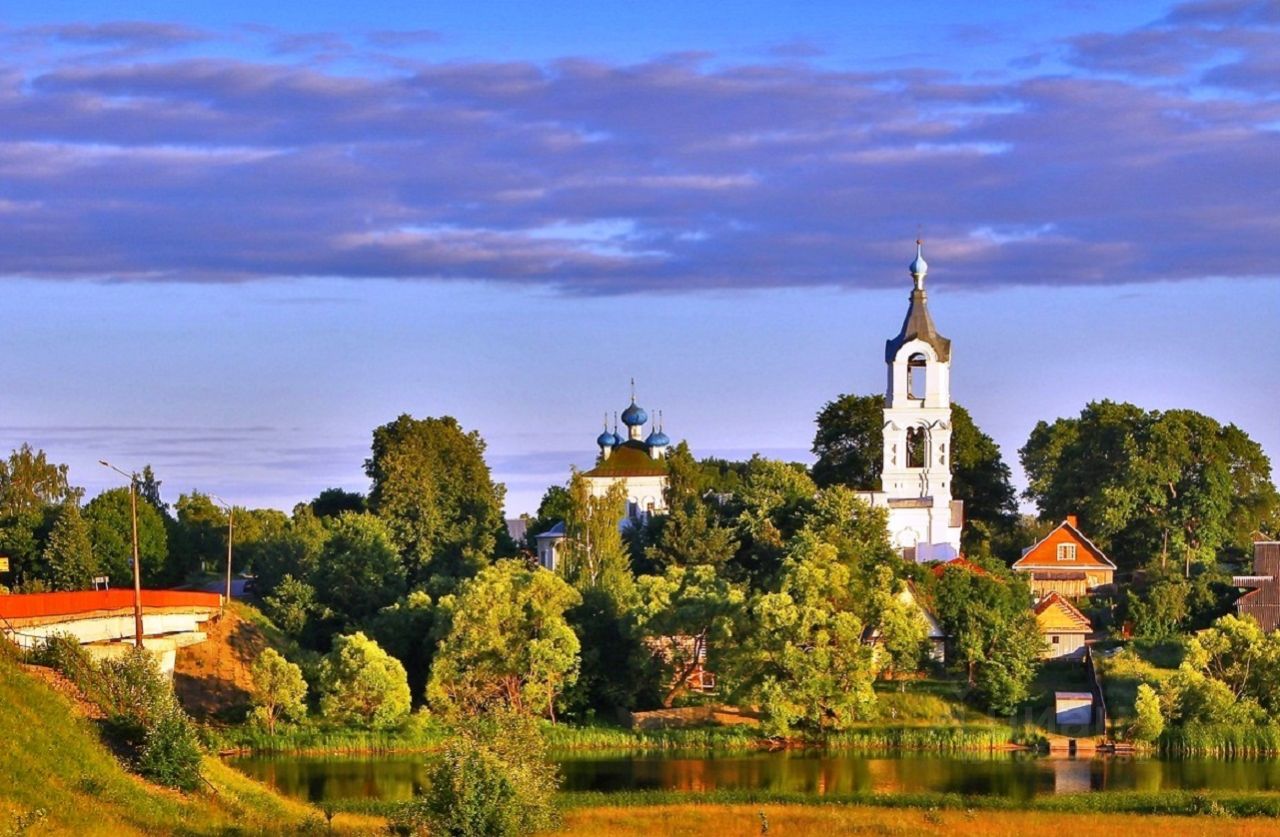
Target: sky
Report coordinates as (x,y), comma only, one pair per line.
(235,238)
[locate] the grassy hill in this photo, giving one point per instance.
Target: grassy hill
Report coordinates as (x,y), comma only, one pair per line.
(57,777)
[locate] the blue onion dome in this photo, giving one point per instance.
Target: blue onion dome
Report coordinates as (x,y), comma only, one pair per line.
(919,267)
(634,416)
(607,440)
(657,439)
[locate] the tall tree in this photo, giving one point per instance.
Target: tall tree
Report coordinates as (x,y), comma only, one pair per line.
(508,644)
(149,490)
(849,445)
(68,559)
(361,683)
(31,487)
(690,532)
(1175,486)
(359,570)
(199,539)
(552,509)
(332,502)
(432,487)
(592,554)
(111,531)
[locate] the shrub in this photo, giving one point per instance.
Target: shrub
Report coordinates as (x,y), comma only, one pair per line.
(1148,723)
(279,691)
(170,753)
(492,780)
(361,683)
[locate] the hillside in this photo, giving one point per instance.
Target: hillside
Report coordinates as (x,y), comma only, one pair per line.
(56,777)
(212,678)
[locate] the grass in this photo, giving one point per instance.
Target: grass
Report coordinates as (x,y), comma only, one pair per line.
(1221,740)
(812,821)
(1127,669)
(57,777)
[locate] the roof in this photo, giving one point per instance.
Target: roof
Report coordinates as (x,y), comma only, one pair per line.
(1054,613)
(630,459)
(960,563)
(918,326)
(1043,553)
(556,531)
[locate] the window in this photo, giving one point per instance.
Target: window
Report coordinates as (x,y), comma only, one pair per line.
(916,372)
(917,447)
(1056,640)
(1066,552)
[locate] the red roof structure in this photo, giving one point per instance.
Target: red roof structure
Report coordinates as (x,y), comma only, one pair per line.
(24,606)
(960,563)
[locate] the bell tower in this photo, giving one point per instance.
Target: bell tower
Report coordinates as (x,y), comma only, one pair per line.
(924,522)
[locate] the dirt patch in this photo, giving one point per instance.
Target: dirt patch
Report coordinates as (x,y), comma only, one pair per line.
(57,681)
(212,678)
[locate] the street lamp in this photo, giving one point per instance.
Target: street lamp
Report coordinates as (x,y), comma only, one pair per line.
(137,572)
(231,527)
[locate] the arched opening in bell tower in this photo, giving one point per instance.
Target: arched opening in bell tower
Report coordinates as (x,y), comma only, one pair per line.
(917,447)
(917,369)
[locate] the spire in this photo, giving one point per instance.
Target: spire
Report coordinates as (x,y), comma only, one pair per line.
(633,390)
(918,325)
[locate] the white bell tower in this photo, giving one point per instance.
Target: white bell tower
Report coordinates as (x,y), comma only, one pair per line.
(924,522)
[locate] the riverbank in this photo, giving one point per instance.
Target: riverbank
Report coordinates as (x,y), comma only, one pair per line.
(814,821)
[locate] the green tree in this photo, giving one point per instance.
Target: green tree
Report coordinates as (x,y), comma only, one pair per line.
(1174,486)
(279,690)
(849,445)
(111,531)
(690,532)
(333,502)
(432,487)
(900,627)
(771,506)
(994,636)
(592,555)
(68,559)
(507,643)
(199,541)
(294,551)
(360,683)
(149,490)
(493,779)
(406,628)
(804,662)
(687,613)
(359,571)
(552,509)
(1148,723)
(30,487)
(291,605)
(1159,611)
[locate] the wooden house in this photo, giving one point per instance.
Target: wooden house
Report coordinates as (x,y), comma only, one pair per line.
(1262,602)
(1063,627)
(1065,562)
(933,626)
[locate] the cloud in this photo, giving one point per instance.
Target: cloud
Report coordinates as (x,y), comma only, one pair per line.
(674,174)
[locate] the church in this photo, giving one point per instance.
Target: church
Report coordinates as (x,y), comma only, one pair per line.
(924,521)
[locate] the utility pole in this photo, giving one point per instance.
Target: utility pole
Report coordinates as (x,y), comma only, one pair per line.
(137,570)
(231,528)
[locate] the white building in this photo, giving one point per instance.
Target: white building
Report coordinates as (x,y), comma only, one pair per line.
(638,462)
(924,522)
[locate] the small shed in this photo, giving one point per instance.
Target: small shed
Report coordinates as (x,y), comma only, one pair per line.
(1072,709)
(1063,627)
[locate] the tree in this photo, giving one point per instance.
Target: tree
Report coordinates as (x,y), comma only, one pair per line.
(68,559)
(686,612)
(772,503)
(492,780)
(1148,723)
(293,551)
(360,683)
(279,690)
(1160,611)
(432,487)
(690,532)
(149,490)
(199,538)
(994,636)
(111,530)
(332,502)
(903,632)
(30,487)
(507,643)
(1145,484)
(291,605)
(849,445)
(552,509)
(592,554)
(359,570)
(804,661)
(407,630)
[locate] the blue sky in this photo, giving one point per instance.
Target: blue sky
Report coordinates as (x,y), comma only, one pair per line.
(233,239)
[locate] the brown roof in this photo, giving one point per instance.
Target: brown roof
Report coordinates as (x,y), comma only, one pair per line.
(918,326)
(630,459)
(960,563)
(1043,553)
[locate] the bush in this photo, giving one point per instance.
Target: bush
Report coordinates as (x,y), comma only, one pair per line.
(361,683)
(170,753)
(492,780)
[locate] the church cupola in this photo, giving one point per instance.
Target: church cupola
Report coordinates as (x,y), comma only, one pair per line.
(606,440)
(658,441)
(634,417)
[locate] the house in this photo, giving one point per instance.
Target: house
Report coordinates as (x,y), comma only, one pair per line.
(1262,602)
(1065,562)
(937,637)
(1063,627)
(687,656)
(549,546)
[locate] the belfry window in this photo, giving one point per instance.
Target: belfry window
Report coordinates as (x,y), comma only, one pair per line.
(916,370)
(917,446)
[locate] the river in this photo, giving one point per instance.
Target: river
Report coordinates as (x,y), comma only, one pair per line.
(1014,775)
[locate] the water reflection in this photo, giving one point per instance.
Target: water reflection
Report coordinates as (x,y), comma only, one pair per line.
(1014,775)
